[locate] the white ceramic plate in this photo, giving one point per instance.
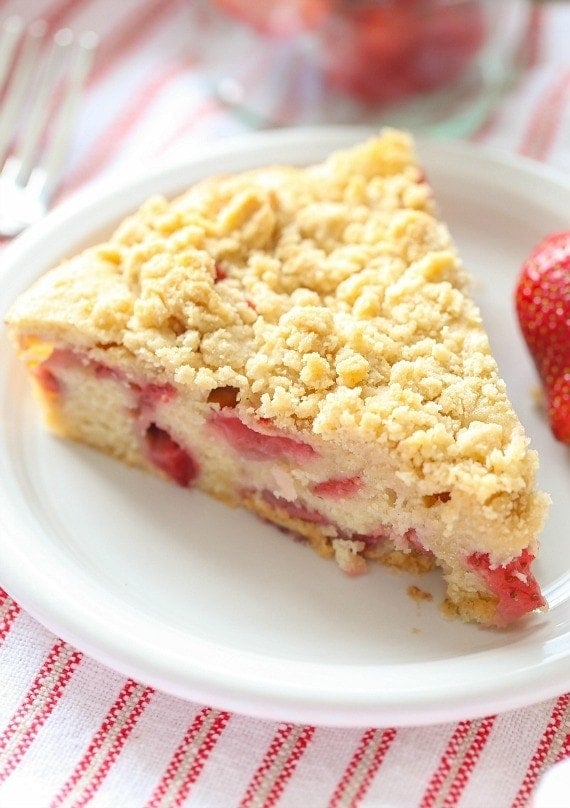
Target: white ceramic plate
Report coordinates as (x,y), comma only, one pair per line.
(209,604)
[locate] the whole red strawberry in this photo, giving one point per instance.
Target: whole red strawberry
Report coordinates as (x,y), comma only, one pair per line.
(543,308)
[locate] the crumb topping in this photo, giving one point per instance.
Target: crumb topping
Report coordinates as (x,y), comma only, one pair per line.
(331,298)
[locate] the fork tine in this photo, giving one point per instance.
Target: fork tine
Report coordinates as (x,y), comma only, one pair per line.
(9,38)
(63,125)
(28,179)
(41,107)
(19,82)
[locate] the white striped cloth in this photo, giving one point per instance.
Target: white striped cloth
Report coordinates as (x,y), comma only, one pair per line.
(75,733)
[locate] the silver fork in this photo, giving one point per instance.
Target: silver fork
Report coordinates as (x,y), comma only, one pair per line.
(35,122)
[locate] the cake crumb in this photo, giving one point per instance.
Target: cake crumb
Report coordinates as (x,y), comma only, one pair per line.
(417,594)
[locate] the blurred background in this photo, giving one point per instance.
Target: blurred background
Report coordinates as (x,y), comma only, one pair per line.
(424,64)
(169,74)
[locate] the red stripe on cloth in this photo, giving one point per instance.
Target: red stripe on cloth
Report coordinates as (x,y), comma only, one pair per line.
(107,743)
(471,758)
(125,34)
(278,765)
(534,37)
(362,768)
(189,759)
(565,746)
(472,755)
(125,37)
(39,702)
(486,128)
(9,610)
(528,58)
(545,120)
(59,13)
(553,745)
(457,762)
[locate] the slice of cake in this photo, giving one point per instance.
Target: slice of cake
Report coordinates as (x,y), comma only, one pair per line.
(301,342)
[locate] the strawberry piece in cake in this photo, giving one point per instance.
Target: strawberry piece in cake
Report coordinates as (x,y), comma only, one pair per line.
(170,457)
(513,583)
(301,342)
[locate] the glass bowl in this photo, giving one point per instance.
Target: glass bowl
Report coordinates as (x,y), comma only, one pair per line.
(436,65)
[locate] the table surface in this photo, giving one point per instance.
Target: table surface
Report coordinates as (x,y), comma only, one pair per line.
(73,732)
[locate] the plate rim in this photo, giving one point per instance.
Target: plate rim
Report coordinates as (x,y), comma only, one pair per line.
(301,704)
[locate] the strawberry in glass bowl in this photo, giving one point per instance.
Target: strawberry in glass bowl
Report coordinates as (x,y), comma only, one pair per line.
(429,65)
(383,52)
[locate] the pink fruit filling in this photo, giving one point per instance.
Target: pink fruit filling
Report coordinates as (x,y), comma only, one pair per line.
(338,488)
(295,509)
(47,379)
(416,545)
(47,372)
(104,371)
(150,395)
(259,445)
(167,455)
(514,585)
(219,273)
(161,449)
